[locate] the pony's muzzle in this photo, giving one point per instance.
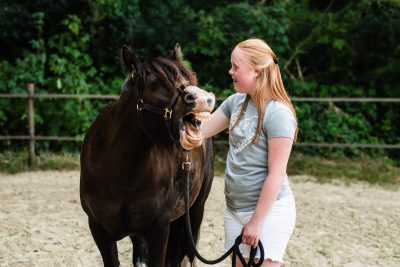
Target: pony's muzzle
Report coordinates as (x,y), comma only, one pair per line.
(200,99)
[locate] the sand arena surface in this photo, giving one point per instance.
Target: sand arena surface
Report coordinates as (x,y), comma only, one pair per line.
(42,224)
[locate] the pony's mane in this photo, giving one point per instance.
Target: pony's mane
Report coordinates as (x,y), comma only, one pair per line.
(171,73)
(168,70)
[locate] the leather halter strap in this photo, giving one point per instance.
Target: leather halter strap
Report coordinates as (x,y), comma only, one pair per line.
(165,112)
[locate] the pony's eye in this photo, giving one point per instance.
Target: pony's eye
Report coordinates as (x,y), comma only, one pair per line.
(153,82)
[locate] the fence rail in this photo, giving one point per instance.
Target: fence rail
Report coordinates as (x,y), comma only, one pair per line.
(30,95)
(218,142)
(40,138)
(60,96)
(114,97)
(334,145)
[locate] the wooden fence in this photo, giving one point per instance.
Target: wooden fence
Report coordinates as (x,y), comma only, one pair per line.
(31,138)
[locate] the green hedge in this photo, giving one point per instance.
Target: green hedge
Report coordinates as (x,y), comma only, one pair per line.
(332,49)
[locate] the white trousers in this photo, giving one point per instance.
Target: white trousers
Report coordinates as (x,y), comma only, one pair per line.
(275,234)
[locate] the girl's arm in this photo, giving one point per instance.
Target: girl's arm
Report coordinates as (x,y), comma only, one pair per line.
(218,122)
(278,155)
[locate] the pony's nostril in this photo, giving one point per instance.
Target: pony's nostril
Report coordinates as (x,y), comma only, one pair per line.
(210,101)
(189,98)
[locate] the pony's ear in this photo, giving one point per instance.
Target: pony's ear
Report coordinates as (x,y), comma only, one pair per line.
(177,53)
(130,59)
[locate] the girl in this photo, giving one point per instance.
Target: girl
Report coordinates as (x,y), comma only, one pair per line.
(262,128)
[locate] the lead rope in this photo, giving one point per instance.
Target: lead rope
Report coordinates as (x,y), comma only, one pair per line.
(234,249)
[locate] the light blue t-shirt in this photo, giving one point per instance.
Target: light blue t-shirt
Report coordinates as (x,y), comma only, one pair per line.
(247,163)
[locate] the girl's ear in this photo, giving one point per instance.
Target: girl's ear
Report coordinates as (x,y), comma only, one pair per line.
(257,73)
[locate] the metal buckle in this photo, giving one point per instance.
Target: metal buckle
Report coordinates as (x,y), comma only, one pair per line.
(167,113)
(139,104)
(186,163)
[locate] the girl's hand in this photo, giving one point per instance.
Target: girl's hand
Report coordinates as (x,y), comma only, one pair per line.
(251,233)
(189,139)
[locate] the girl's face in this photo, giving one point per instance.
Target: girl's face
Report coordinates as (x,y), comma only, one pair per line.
(244,78)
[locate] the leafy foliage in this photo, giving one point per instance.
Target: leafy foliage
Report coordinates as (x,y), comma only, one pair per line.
(326,49)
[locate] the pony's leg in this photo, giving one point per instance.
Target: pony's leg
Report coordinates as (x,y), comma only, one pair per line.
(196,217)
(108,248)
(196,212)
(177,245)
(157,237)
(179,252)
(140,251)
(187,263)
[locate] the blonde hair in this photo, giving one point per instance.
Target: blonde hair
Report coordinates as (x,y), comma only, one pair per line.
(261,57)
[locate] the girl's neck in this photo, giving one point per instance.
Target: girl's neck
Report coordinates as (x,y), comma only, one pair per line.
(267,97)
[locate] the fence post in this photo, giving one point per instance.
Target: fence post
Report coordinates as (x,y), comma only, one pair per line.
(31,118)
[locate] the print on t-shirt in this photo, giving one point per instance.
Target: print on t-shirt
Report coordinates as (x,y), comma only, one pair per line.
(248,128)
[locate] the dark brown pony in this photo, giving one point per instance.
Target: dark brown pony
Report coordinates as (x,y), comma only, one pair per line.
(131,175)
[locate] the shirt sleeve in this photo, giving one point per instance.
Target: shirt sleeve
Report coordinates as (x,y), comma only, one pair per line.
(281,123)
(226,106)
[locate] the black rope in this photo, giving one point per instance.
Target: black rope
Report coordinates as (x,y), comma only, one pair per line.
(234,249)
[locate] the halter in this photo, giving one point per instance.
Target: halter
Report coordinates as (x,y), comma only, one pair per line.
(166,112)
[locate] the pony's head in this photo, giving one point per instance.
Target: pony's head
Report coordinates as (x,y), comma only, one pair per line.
(166,96)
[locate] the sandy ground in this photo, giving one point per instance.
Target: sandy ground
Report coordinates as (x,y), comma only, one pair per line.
(42,224)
